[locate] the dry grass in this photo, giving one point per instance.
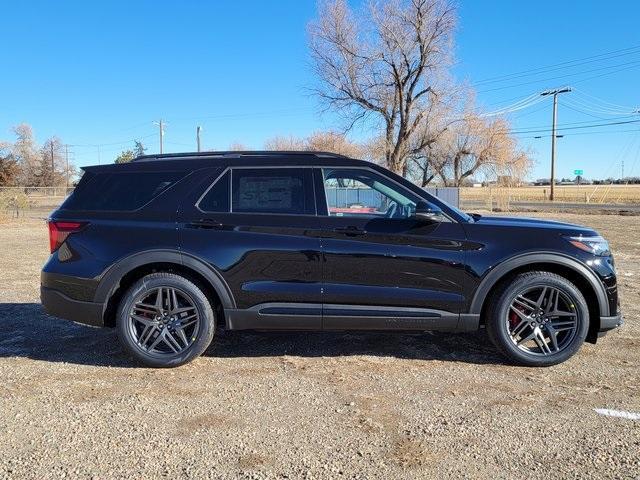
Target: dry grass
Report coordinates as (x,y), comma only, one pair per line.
(624,194)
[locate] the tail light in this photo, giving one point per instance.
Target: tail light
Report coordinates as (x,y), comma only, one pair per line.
(59,231)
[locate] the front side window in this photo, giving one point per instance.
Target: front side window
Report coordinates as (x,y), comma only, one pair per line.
(273,190)
(363,193)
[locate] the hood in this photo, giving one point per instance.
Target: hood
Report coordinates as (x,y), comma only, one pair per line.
(523,222)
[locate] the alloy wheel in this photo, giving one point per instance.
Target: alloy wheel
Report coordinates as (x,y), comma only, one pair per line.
(164,321)
(542,320)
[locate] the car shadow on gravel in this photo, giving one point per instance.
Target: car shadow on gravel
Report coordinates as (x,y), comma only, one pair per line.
(462,347)
(27,331)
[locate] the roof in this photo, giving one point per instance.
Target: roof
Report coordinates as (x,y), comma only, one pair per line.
(236,154)
(192,161)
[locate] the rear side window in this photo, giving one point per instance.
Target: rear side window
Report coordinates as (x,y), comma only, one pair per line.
(216,199)
(111,191)
(273,190)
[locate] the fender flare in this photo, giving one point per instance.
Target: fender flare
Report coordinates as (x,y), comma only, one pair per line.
(109,281)
(506,266)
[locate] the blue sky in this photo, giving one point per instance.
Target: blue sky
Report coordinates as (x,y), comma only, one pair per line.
(101,73)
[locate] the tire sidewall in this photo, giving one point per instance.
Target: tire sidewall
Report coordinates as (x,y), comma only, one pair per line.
(206,328)
(518,287)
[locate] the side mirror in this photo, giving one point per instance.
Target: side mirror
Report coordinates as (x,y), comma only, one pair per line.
(426,211)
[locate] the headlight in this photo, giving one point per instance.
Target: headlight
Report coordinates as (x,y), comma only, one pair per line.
(595,245)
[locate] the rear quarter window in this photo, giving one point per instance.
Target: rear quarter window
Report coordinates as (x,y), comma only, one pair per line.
(119,191)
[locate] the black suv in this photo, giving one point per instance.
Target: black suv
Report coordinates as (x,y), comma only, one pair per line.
(169,248)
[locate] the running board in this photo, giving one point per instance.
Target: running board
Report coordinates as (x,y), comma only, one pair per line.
(305,316)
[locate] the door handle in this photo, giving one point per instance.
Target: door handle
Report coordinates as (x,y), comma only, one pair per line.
(206,223)
(351,231)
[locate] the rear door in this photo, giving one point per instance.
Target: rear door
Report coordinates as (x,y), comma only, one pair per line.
(257,226)
(383,267)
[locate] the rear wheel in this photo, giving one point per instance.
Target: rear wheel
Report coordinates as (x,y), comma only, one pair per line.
(165,320)
(537,319)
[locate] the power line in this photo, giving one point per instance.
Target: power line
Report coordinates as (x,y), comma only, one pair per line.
(288,111)
(598,99)
(562,125)
(570,107)
(603,110)
(581,133)
(577,127)
(538,69)
(628,65)
(94,145)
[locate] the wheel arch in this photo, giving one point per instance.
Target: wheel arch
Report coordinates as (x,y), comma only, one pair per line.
(574,271)
(115,281)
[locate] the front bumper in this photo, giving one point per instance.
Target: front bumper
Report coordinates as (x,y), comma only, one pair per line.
(59,305)
(609,323)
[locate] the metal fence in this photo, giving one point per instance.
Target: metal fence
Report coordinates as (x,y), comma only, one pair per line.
(451,195)
(37,192)
(35,202)
(345,197)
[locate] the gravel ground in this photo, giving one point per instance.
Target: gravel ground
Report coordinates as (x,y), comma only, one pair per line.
(275,405)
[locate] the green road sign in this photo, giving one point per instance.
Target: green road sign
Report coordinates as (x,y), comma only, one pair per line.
(578,172)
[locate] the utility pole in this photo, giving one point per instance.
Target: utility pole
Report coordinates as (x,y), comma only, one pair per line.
(622,176)
(53,167)
(553,133)
(161,125)
(66,156)
(198,129)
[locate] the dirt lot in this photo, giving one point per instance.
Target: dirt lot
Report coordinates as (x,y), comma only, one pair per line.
(309,405)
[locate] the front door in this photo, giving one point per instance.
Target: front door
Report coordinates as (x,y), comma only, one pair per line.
(258,228)
(382,267)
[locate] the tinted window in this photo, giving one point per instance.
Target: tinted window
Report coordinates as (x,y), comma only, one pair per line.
(217,198)
(119,191)
(273,190)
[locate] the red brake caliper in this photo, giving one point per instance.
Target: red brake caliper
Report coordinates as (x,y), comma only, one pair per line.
(513,319)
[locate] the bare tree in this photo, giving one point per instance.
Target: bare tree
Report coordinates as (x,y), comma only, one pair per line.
(289,143)
(9,168)
(238,147)
(478,144)
(50,171)
(387,65)
(26,153)
(43,166)
(333,142)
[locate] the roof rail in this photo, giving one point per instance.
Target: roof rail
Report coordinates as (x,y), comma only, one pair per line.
(236,154)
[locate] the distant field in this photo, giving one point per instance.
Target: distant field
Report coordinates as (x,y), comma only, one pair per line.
(623,194)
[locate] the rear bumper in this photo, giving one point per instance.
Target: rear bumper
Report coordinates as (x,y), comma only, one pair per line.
(59,305)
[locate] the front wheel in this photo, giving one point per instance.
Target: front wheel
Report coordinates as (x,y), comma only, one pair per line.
(537,319)
(165,320)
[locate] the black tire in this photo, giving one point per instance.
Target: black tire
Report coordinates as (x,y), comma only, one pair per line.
(501,325)
(192,298)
